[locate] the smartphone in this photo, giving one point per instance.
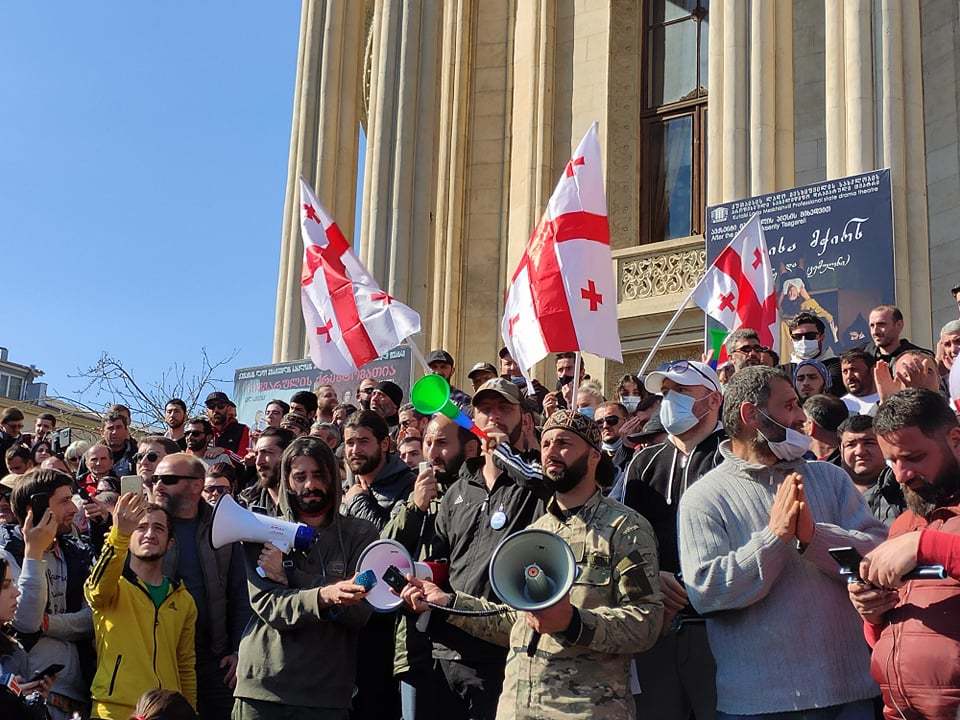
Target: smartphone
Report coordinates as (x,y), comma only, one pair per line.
(39,502)
(131,484)
(849,561)
(48,671)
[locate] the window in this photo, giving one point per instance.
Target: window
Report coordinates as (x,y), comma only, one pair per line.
(673,119)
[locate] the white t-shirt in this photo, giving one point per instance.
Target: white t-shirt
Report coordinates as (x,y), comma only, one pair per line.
(865,405)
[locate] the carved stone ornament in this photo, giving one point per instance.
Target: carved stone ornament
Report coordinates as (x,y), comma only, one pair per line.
(649,276)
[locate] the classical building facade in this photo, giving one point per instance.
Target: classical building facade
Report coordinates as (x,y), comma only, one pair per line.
(471,109)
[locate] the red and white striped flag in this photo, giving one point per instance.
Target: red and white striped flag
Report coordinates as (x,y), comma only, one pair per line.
(350,320)
(563,296)
(738,289)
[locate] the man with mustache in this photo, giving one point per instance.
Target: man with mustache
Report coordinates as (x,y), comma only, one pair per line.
(614,609)
(912,625)
(215,579)
(227,432)
(265,494)
(754,534)
(298,657)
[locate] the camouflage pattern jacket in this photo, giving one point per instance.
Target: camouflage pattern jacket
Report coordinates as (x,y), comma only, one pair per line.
(617,597)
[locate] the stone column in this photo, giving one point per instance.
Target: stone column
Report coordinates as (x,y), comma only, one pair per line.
(735,96)
(835,89)
(531,122)
(715,76)
(763,97)
(323,147)
(903,151)
(447,251)
(398,193)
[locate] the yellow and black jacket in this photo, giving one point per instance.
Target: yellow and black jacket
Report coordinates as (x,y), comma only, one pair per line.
(139,646)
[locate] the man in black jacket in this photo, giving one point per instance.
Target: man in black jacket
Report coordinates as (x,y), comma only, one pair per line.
(477,512)
(677,674)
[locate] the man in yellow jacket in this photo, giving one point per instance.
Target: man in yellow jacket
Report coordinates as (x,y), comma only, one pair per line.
(144,622)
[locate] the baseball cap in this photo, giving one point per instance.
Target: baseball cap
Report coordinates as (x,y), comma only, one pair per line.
(683,372)
(482,367)
(500,386)
(216,398)
(439,356)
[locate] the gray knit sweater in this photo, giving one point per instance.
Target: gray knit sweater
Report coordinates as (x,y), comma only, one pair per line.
(780,624)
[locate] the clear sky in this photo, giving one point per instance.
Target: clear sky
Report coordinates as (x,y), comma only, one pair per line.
(143,161)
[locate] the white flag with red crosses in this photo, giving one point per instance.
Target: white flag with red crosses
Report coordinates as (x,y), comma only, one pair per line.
(738,289)
(562,296)
(350,320)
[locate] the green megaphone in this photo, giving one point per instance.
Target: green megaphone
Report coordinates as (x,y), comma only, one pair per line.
(431,395)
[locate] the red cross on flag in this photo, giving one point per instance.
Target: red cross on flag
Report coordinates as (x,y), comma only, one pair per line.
(562,296)
(738,290)
(350,320)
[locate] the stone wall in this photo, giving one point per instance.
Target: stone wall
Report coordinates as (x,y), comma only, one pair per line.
(940,29)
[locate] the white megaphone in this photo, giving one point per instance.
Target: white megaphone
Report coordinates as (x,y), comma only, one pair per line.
(232,523)
(532,570)
(378,557)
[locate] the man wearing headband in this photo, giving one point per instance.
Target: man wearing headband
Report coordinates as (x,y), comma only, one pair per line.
(581,661)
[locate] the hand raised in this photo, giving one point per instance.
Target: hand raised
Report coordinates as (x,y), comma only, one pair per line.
(128,512)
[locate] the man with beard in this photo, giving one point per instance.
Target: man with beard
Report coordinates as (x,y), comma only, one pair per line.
(265,494)
(198,434)
(381,479)
(483,506)
(326,402)
(298,659)
(754,534)
(446,446)
(227,432)
(365,391)
(215,580)
(614,609)
(53,619)
(144,619)
(744,348)
(912,625)
(385,401)
(856,369)
(175,415)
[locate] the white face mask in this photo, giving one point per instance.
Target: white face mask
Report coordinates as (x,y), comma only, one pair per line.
(676,413)
(793,446)
(806,349)
(630,402)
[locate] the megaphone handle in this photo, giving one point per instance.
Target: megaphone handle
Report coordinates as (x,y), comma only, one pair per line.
(532,645)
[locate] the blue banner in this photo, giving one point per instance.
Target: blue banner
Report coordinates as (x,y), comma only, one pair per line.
(831,249)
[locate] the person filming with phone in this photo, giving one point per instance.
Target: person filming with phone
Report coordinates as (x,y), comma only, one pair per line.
(52,620)
(913,625)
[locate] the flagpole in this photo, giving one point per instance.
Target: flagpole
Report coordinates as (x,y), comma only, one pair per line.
(417,354)
(576,380)
(666,330)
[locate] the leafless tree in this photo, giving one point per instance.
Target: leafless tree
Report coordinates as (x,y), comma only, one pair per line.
(109,378)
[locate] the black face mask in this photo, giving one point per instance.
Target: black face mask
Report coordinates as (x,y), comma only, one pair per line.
(567,479)
(564,380)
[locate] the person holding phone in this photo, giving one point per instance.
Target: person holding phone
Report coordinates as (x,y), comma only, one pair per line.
(52,615)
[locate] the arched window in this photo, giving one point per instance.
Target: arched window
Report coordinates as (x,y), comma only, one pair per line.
(673,118)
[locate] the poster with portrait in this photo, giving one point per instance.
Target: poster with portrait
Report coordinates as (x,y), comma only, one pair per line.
(831,249)
(254,387)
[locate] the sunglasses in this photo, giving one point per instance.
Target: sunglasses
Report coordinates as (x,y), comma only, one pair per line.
(194,432)
(216,490)
(812,335)
(610,420)
(681,366)
(148,456)
(748,349)
(174,479)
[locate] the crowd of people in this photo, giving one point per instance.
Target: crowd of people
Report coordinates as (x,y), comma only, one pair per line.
(703,507)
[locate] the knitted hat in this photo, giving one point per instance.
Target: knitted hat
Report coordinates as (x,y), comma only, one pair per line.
(577,423)
(391,390)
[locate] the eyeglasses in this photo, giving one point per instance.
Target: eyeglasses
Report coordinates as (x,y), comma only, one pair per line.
(610,420)
(812,335)
(174,479)
(681,366)
(752,349)
(194,432)
(216,490)
(148,456)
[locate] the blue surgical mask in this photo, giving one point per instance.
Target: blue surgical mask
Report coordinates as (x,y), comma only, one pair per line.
(518,380)
(676,413)
(588,411)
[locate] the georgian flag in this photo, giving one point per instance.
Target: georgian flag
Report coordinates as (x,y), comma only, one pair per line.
(350,320)
(562,296)
(738,288)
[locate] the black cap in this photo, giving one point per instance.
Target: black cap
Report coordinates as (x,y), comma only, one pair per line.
(216,398)
(391,390)
(439,356)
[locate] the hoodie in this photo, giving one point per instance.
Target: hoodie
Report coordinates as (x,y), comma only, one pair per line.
(387,493)
(295,652)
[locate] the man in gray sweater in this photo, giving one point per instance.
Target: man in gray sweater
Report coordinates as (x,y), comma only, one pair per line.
(754,534)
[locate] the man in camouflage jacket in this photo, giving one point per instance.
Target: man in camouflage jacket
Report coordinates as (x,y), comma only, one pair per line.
(614,610)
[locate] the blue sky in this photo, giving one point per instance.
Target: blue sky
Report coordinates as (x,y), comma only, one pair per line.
(143,161)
